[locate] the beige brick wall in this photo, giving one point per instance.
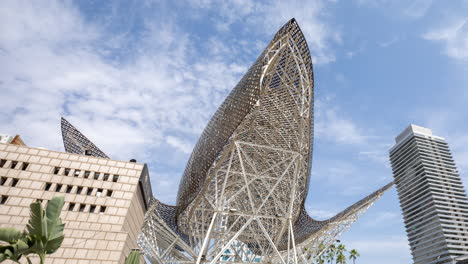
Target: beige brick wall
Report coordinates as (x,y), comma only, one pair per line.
(99,228)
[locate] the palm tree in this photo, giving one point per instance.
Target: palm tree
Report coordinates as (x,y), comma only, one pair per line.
(353,254)
(43,234)
(340,257)
(330,253)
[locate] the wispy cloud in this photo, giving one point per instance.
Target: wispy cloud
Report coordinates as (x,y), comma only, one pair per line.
(453,36)
(417,8)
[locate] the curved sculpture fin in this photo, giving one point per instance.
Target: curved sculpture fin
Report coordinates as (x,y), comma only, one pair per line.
(75,142)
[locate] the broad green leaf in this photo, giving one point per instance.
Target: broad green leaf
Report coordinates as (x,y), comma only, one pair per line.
(133,257)
(37,225)
(53,209)
(9,234)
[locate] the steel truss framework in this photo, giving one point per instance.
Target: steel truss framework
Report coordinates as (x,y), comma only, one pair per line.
(242,195)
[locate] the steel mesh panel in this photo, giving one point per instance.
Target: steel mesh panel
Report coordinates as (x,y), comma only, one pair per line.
(244,187)
(75,142)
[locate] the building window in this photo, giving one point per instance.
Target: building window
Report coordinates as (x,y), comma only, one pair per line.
(96,175)
(106,177)
(82,207)
(67,171)
(13,164)
(92,208)
(90,191)
(47,186)
(3,199)
(79,190)
(71,206)
(69,189)
(99,192)
(77,173)
(109,193)
(25,166)
(56,170)
(3,180)
(86,174)
(14,182)
(102,210)
(58,187)
(2,163)
(115,178)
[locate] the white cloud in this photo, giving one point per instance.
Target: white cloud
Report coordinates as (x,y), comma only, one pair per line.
(388,43)
(333,126)
(417,8)
(454,36)
(179,144)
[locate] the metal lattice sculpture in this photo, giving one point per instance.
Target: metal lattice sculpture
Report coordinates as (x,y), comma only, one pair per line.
(241,198)
(75,142)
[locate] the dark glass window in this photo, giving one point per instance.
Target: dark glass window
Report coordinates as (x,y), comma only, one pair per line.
(103,209)
(71,206)
(69,189)
(58,187)
(79,190)
(99,192)
(82,207)
(106,177)
(3,199)
(86,174)
(3,180)
(92,208)
(115,178)
(13,164)
(96,175)
(109,193)
(56,170)
(76,173)
(2,162)
(25,166)
(90,190)
(67,171)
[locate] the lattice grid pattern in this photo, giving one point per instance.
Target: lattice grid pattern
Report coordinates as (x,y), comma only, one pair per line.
(75,142)
(241,198)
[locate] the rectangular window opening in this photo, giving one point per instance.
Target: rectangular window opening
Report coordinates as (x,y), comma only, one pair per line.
(71,206)
(102,210)
(25,166)
(106,177)
(79,190)
(90,191)
(86,174)
(3,180)
(13,164)
(109,193)
(92,208)
(82,207)
(3,199)
(67,171)
(58,187)
(77,173)
(56,170)
(69,189)
(14,182)
(96,175)
(2,163)
(99,192)
(115,178)
(47,186)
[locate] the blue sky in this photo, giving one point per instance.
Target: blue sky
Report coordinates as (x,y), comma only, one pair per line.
(142,78)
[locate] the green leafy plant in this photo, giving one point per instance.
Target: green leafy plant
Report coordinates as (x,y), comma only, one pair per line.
(353,255)
(133,257)
(43,234)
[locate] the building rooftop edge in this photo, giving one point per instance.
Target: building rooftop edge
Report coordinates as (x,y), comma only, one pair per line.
(42,148)
(411,130)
